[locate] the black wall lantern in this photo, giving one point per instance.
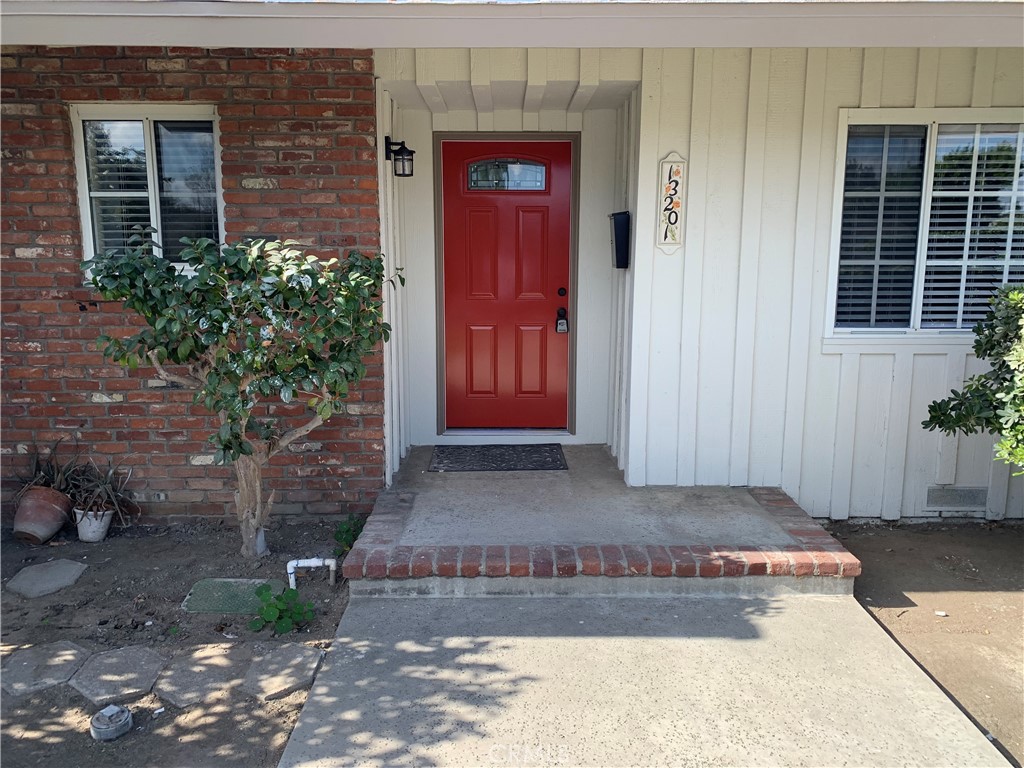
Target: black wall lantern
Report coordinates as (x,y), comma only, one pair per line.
(400,157)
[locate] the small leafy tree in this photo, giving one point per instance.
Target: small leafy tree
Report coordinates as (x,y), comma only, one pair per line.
(256,320)
(992,401)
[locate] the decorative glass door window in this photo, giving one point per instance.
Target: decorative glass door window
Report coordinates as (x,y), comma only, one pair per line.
(507,173)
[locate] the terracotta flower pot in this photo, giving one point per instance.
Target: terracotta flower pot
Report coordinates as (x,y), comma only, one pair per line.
(41,513)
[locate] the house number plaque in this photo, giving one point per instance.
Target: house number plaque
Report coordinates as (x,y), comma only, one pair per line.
(671,208)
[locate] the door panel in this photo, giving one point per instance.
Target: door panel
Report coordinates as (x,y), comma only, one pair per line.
(506,257)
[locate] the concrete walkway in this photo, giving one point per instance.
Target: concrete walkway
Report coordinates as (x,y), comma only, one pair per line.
(563,619)
(691,681)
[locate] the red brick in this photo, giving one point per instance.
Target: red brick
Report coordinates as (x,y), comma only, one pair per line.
(708,563)
(543,562)
(733,563)
(637,563)
(590,558)
(779,563)
(423,562)
(661,561)
(400,563)
(471,561)
(497,562)
(448,561)
(849,565)
(352,567)
(757,563)
(684,563)
(614,560)
(824,562)
(565,560)
(518,561)
(40,211)
(803,563)
(377,564)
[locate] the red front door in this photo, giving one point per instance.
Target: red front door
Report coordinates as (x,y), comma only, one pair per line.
(506,217)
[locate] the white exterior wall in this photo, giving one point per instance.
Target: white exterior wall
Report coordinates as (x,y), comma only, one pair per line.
(739,386)
(710,365)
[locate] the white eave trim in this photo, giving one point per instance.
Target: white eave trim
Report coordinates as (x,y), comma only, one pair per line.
(718,23)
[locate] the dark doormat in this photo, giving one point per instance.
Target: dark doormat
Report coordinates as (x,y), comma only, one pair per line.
(497,458)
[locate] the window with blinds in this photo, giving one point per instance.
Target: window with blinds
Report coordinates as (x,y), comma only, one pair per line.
(881,215)
(152,173)
(932,224)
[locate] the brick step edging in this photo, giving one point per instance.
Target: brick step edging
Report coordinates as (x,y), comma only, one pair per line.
(825,557)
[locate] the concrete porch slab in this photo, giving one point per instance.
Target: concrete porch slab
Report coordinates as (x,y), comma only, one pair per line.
(596,682)
(588,503)
(584,522)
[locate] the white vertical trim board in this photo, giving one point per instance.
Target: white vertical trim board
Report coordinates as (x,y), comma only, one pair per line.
(642,267)
(693,266)
(846,426)
(803,268)
(750,257)
(900,422)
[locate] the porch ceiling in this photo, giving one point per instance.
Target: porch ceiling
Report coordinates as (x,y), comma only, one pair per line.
(496,79)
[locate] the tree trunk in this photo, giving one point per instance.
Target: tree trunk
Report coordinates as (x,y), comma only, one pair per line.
(252,508)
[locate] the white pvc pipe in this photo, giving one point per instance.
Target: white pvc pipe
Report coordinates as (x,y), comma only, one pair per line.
(312,562)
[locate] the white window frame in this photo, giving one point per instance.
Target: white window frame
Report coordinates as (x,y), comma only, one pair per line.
(931,118)
(147,113)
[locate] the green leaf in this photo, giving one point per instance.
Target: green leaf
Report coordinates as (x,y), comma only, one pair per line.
(284,625)
(270,613)
(256,625)
(263,590)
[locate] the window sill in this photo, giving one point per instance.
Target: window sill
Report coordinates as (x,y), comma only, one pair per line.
(867,343)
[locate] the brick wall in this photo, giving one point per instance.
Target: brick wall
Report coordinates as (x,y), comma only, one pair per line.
(299,160)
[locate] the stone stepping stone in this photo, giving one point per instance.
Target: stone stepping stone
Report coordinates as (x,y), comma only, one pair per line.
(118,676)
(45,578)
(43,666)
(195,676)
(228,595)
(281,670)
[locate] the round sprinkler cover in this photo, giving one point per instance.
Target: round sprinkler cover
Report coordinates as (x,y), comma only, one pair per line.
(110,722)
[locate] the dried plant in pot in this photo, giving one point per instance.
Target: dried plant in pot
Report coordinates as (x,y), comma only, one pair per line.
(43,504)
(99,498)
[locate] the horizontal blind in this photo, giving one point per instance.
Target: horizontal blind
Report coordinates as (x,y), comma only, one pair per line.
(975,222)
(881,213)
(118,169)
(115,160)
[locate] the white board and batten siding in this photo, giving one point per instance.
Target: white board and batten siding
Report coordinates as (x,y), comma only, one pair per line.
(710,365)
(762,397)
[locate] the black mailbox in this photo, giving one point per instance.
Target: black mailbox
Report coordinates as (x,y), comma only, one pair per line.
(620,239)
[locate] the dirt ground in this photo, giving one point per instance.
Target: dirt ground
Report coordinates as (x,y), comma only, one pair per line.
(131,595)
(975,575)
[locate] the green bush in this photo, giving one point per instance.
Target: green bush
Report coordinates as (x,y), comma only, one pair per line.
(992,401)
(244,324)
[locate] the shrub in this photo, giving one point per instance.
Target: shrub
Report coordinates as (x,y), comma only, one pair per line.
(246,322)
(992,401)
